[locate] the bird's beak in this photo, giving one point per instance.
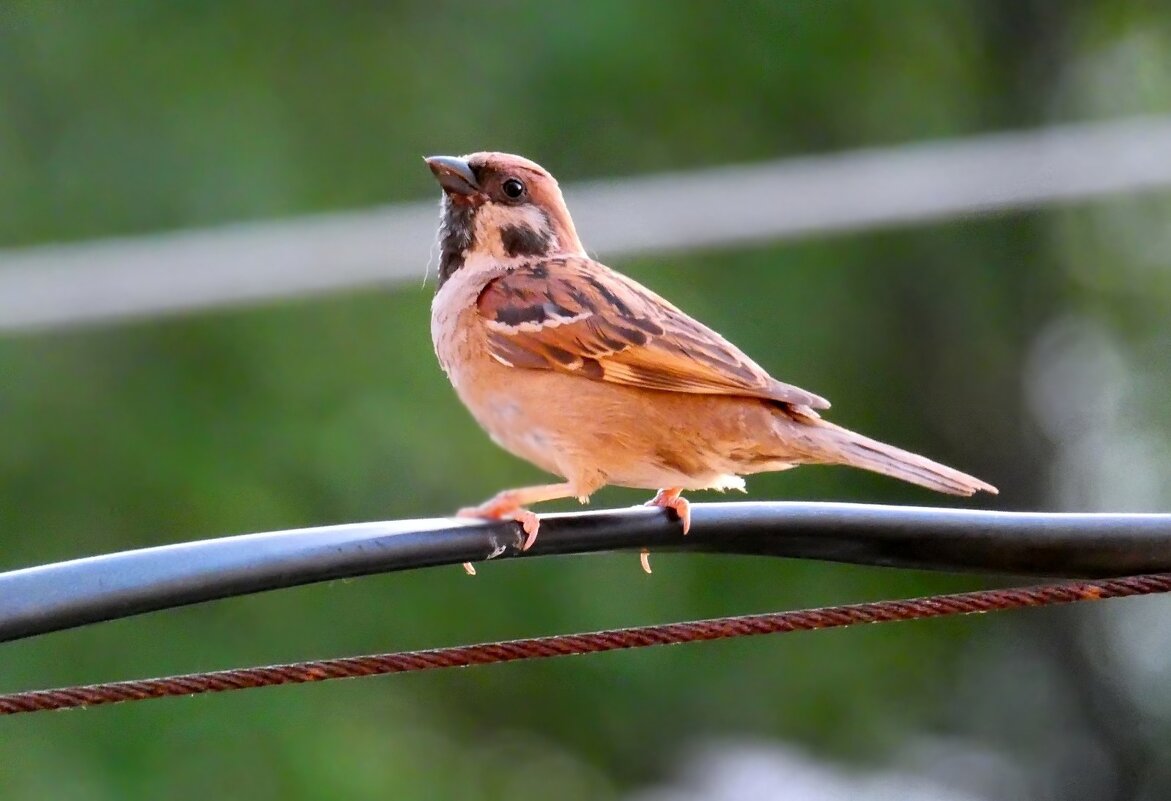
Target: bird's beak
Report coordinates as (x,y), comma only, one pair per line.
(454,175)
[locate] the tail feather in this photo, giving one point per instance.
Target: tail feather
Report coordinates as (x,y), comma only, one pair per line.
(848,448)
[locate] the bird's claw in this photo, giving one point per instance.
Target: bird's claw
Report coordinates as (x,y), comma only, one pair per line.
(672,499)
(529,521)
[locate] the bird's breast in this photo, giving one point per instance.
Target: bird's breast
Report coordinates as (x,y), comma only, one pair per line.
(454,321)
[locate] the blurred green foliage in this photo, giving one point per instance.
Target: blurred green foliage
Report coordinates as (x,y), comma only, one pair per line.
(133,116)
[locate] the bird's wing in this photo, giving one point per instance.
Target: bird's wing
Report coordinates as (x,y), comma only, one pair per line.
(577,316)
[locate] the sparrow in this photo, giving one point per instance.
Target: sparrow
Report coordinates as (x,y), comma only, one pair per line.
(598,380)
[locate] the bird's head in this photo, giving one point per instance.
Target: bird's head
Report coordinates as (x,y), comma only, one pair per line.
(500,207)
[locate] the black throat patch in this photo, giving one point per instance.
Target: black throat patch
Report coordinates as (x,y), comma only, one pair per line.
(455,237)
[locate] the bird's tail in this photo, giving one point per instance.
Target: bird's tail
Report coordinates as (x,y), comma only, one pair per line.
(842,446)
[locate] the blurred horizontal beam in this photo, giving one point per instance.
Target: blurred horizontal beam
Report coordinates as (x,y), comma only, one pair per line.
(61,285)
(52,597)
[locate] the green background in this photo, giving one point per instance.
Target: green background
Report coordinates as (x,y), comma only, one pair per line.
(119,118)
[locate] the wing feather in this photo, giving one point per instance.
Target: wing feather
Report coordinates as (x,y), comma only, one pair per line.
(577,316)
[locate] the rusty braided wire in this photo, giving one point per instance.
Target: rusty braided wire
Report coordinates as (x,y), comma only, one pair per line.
(568,644)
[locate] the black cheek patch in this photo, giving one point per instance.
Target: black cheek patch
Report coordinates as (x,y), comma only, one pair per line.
(520,240)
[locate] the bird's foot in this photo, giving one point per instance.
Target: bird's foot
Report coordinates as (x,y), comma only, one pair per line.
(668,499)
(501,509)
(673,499)
(509,505)
(498,510)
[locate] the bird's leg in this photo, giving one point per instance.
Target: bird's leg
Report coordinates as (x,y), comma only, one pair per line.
(509,505)
(672,498)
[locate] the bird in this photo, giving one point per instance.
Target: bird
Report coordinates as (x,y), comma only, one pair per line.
(598,380)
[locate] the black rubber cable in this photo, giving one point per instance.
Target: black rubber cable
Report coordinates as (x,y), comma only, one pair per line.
(58,596)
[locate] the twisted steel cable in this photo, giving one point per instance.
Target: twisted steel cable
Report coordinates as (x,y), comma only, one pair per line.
(568,644)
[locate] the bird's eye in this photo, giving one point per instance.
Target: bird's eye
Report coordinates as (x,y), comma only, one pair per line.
(513,189)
